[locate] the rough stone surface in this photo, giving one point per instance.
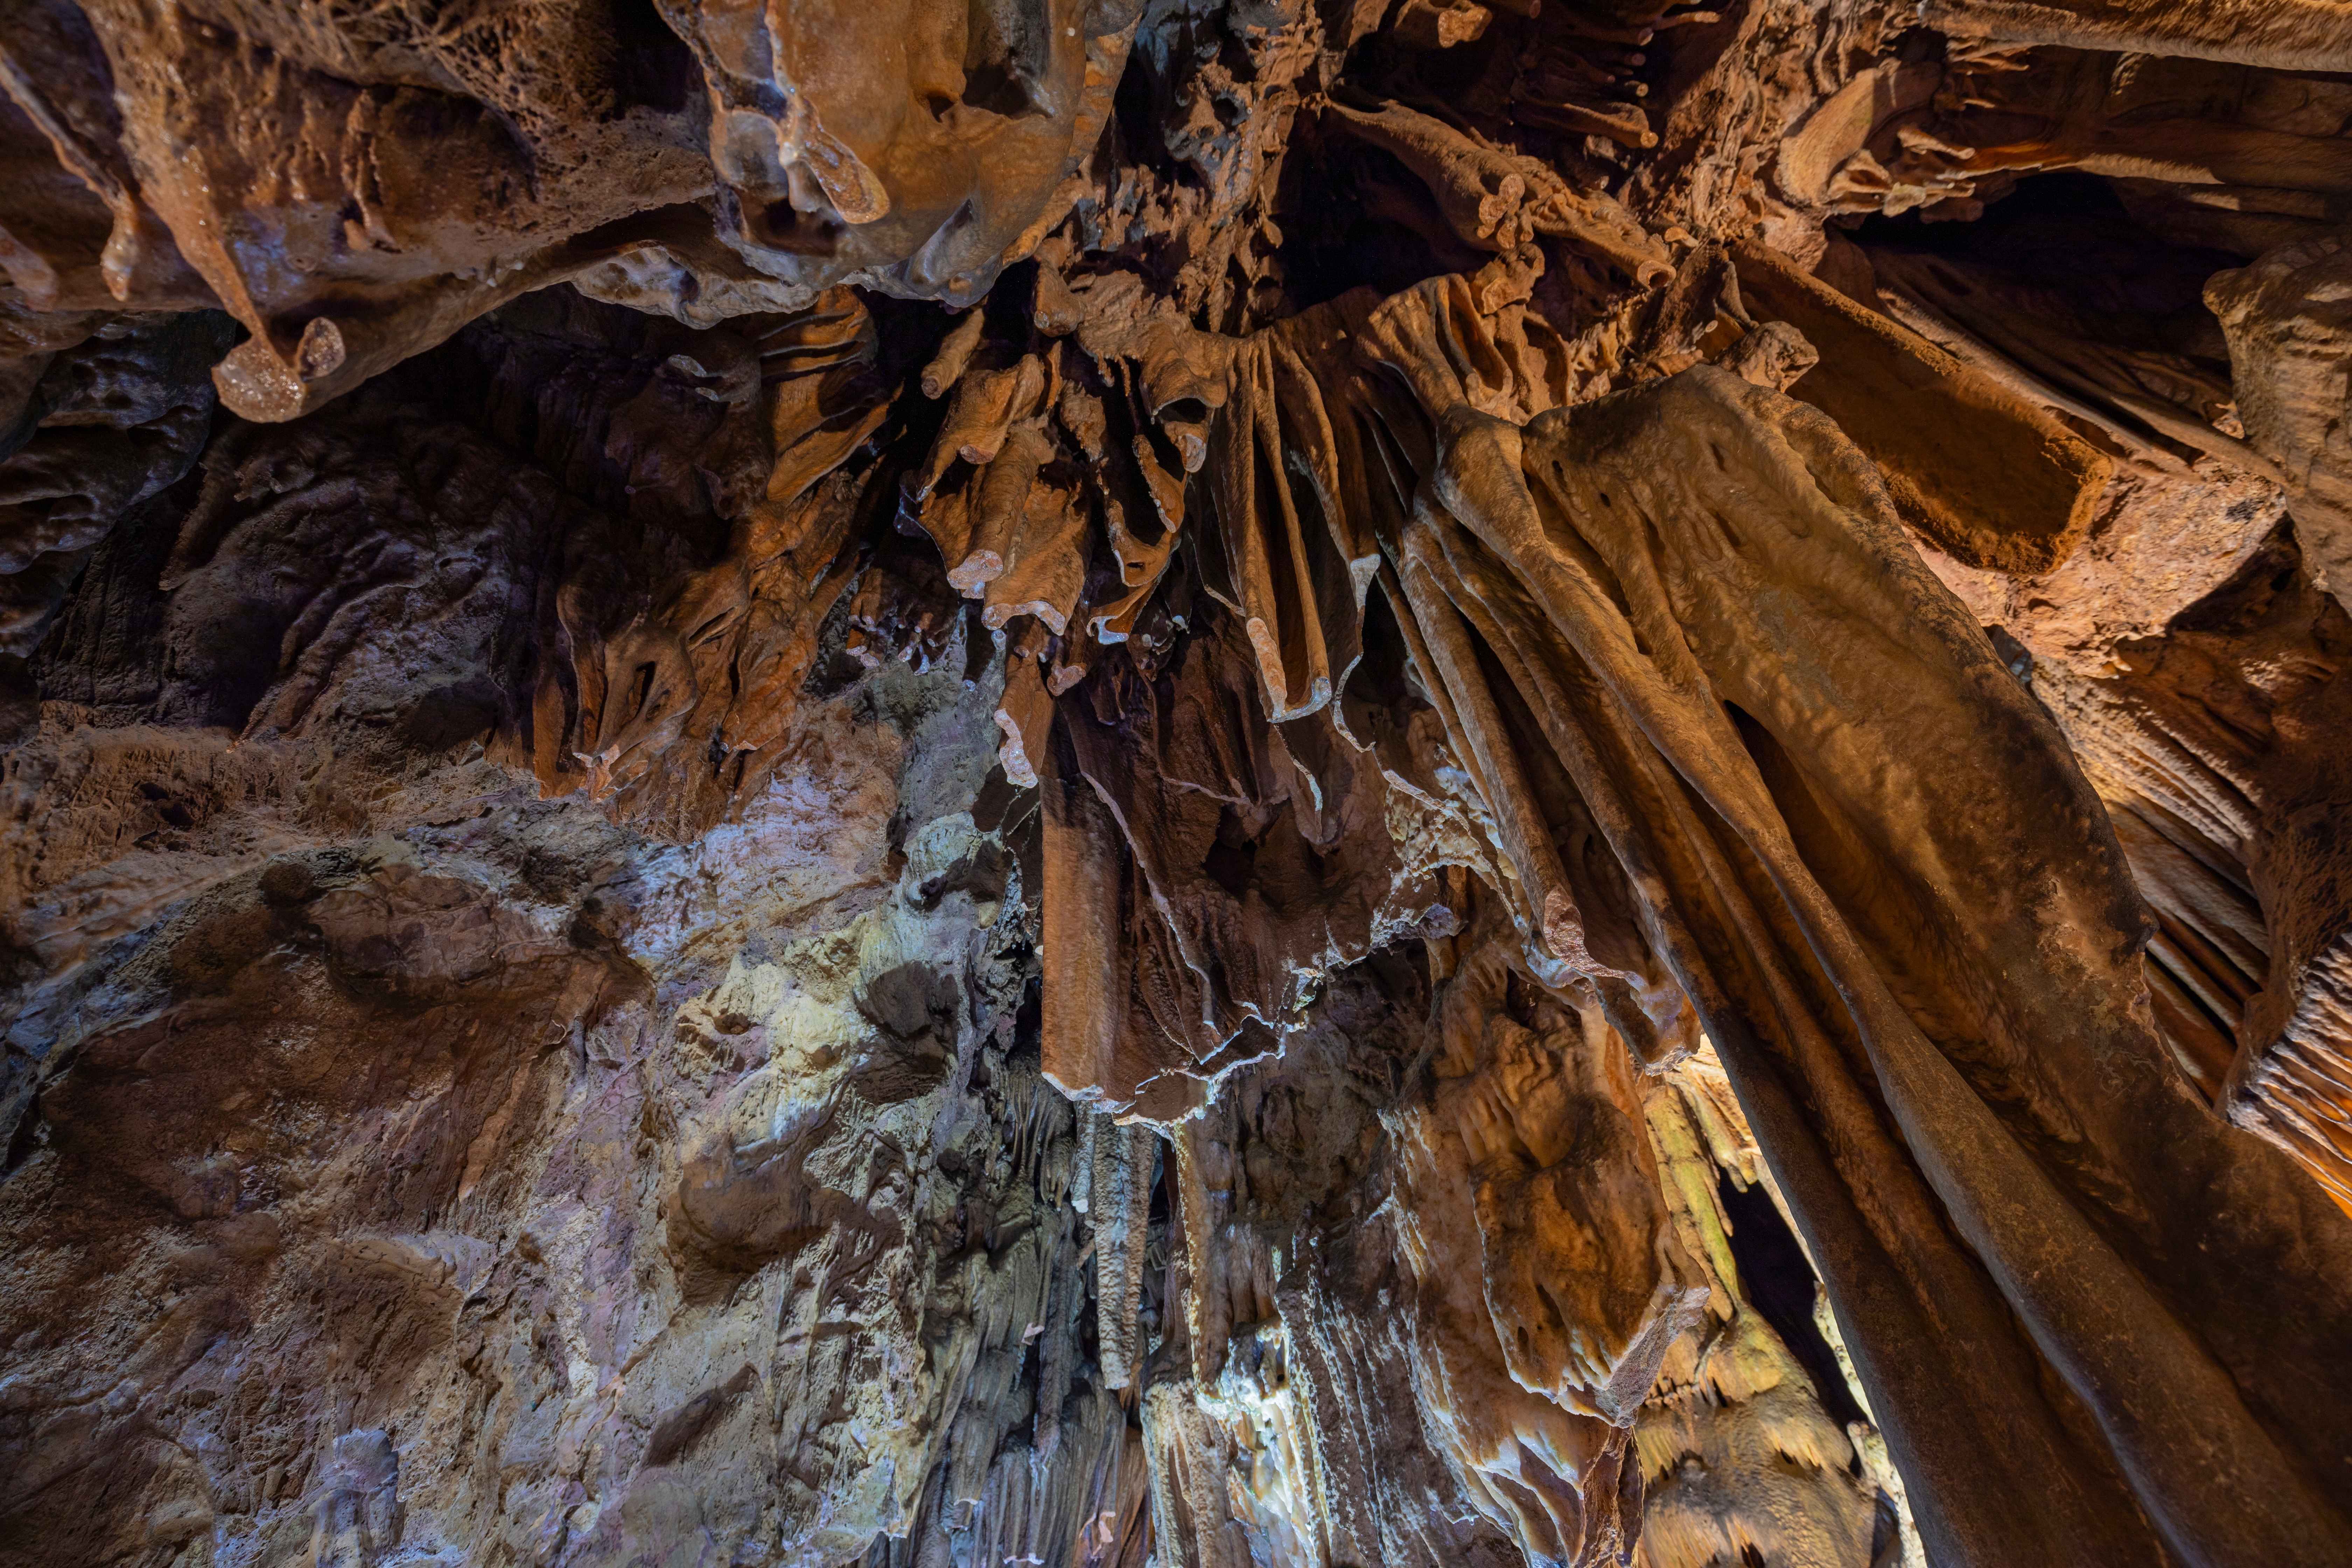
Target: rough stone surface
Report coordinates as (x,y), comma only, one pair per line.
(1175,781)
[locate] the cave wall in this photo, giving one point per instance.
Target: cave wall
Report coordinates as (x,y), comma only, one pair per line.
(1212,782)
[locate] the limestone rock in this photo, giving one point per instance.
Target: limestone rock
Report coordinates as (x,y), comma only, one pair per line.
(1185,782)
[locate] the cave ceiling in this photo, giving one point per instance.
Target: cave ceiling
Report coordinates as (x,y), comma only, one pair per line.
(1210,783)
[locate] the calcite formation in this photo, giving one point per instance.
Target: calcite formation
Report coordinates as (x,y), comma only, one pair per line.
(1327,783)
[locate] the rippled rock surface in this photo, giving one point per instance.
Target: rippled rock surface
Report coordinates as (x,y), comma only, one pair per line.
(1326,783)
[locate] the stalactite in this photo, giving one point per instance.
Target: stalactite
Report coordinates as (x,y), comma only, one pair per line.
(1208,781)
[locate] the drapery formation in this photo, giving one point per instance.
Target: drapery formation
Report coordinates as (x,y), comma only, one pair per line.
(634,640)
(1728,740)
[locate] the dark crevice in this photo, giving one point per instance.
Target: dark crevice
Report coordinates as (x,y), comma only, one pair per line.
(1781,1284)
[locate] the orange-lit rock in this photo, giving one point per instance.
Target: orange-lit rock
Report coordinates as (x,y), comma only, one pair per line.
(1209,782)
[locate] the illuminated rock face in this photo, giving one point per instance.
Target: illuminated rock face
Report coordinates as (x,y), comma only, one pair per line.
(1309,782)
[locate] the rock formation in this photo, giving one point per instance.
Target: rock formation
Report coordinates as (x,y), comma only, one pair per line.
(1330,782)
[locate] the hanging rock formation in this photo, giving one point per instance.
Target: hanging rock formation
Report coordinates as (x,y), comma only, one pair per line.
(1329,783)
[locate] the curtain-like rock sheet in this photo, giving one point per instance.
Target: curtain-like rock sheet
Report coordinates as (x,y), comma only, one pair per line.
(1924,987)
(1065,444)
(1867,857)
